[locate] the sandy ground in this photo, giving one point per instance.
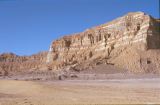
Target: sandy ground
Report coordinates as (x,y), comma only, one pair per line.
(142,91)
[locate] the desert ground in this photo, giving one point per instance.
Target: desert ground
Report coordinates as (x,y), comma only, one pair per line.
(80,92)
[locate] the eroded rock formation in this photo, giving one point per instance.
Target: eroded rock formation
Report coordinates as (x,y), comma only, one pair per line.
(131,42)
(11,63)
(121,42)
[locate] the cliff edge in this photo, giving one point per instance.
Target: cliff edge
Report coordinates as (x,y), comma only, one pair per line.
(129,42)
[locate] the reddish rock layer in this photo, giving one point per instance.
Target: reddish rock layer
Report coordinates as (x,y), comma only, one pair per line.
(11,63)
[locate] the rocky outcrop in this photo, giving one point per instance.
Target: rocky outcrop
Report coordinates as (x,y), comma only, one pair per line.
(12,63)
(134,33)
(130,43)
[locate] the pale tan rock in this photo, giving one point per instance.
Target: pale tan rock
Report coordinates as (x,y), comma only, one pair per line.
(136,30)
(129,42)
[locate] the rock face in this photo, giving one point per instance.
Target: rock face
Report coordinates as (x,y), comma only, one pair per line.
(11,63)
(121,42)
(130,43)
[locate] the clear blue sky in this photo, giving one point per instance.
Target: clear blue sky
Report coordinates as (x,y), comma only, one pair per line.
(29,26)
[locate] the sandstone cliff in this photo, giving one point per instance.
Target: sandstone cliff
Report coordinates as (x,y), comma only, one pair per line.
(11,63)
(130,42)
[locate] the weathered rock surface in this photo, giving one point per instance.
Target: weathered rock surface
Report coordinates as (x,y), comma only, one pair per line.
(131,42)
(11,63)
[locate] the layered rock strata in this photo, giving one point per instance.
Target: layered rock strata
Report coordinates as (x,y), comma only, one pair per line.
(130,43)
(137,32)
(12,63)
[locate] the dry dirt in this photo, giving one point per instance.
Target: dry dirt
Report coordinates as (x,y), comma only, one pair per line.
(127,91)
